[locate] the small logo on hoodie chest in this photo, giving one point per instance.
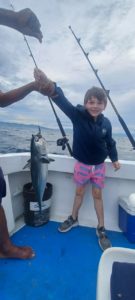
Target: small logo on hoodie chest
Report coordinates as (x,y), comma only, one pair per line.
(104,131)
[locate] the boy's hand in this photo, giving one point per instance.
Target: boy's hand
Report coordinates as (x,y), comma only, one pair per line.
(28,24)
(40,76)
(47,87)
(116,165)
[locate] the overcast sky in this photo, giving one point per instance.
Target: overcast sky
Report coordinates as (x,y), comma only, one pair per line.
(107,32)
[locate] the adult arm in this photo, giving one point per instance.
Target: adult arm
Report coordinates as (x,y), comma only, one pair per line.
(24,21)
(17,94)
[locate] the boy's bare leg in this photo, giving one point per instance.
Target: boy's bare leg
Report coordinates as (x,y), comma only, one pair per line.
(98,204)
(72,220)
(78,201)
(103,240)
(7,249)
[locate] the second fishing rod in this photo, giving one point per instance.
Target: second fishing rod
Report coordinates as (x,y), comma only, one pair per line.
(123,124)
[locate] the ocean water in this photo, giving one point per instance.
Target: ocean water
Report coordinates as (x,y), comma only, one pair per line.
(15,138)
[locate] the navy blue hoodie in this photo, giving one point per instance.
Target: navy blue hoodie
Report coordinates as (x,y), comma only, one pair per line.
(92,139)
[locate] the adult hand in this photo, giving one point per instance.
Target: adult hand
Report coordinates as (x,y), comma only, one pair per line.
(28,24)
(47,87)
(40,76)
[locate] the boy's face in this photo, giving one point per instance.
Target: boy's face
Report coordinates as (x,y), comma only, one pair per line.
(94,106)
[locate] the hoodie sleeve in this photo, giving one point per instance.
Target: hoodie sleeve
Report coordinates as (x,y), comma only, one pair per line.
(62,102)
(111,144)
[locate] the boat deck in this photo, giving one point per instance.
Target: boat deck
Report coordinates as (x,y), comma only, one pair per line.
(65,266)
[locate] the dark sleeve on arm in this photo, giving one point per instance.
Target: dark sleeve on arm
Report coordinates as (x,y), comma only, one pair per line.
(62,102)
(111,144)
(7,17)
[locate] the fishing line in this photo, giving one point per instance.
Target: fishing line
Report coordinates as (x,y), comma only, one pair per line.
(106,91)
(64,140)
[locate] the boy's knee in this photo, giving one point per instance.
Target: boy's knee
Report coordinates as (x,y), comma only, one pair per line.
(97,194)
(80,191)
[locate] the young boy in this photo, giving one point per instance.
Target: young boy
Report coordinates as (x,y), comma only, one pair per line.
(92,143)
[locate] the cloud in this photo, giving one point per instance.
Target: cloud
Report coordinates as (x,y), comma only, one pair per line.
(106,31)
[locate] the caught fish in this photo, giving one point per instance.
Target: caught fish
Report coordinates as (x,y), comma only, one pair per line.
(39,166)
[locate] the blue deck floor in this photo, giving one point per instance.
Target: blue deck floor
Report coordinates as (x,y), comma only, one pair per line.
(65,267)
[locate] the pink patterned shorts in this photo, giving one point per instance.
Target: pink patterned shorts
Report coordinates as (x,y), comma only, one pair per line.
(84,174)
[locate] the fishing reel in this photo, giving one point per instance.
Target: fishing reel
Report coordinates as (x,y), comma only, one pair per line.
(62,142)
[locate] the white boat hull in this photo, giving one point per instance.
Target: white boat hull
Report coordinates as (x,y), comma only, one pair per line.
(118,184)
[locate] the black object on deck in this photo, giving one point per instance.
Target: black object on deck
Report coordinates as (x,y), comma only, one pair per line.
(32,214)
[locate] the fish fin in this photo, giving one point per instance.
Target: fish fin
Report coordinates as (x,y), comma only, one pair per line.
(27,165)
(44,160)
(51,159)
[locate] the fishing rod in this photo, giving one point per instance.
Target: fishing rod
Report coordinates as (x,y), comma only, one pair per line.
(106,91)
(64,140)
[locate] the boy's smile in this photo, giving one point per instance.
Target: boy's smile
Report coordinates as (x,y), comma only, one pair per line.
(94,107)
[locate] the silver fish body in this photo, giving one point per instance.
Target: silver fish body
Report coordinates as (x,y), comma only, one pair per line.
(39,166)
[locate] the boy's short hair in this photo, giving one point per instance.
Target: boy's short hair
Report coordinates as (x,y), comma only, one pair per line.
(97,93)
